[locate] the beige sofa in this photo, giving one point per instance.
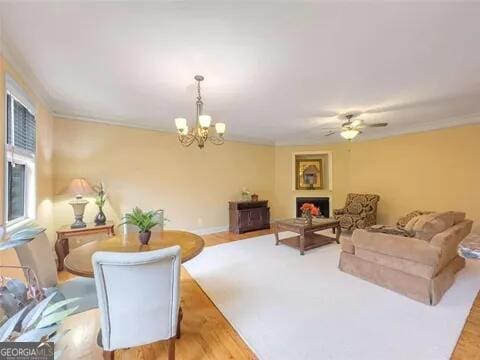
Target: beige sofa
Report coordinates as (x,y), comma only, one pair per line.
(422,267)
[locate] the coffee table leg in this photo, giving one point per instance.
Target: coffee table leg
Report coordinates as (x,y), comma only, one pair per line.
(338,232)
(277,240)
(302,244)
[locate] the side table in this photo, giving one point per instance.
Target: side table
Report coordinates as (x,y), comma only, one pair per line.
(65,232)
(469,248)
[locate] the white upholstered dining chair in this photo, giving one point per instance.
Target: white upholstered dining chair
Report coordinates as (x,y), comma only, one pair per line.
(148,314)
(38,256)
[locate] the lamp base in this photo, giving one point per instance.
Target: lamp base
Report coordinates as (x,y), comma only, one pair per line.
(78,224)
(78,205)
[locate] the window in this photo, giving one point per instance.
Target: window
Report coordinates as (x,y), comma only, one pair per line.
(20,157)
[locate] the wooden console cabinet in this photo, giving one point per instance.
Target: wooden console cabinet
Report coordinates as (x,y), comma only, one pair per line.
(248,216)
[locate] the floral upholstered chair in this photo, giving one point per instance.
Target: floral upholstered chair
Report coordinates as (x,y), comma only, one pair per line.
(360,211)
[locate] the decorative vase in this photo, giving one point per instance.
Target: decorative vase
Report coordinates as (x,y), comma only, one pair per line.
(144,237)
(308,217)
(100,219)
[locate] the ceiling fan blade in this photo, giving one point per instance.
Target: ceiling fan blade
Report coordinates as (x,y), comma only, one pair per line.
(377,124)
(331,133)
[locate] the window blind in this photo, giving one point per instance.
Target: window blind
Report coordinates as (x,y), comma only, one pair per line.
(16,191)
(21,131)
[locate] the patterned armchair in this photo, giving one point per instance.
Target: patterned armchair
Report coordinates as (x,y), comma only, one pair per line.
(360,211)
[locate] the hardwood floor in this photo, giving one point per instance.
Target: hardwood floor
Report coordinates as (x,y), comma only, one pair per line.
(206,334)
(468,345)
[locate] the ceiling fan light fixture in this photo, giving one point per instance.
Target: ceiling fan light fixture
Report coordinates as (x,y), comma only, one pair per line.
(349,134)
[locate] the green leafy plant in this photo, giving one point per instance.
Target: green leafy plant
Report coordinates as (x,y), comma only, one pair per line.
(38,322)
(144,220)
(101,196)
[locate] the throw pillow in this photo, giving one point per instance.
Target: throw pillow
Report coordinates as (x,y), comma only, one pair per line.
(427,226)
(391,230)
(403,221)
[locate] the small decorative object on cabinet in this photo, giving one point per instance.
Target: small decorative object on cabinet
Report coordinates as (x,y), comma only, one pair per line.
(254,197)
(100,199)
(246,195)
(248,216)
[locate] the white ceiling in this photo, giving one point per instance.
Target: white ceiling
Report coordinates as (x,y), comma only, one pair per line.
(274,71)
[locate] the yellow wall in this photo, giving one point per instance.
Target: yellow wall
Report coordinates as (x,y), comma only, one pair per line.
(152,170)
(436,170)
(44,163)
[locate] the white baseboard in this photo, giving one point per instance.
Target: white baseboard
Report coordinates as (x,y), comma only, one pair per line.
(211,230)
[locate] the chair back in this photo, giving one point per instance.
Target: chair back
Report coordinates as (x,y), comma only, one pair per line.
(132,229)
(138,296)
(362,204)
(37,255)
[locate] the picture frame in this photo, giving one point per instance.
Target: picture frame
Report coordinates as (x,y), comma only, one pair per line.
(308,173)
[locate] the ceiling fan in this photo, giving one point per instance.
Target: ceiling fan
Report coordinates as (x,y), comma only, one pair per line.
(353,127)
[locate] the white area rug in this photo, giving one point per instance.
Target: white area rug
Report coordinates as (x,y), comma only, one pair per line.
(292,307)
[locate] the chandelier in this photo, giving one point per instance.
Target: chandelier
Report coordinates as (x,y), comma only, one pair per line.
(201,131)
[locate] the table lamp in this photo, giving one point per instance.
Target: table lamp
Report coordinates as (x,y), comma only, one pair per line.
(79,187)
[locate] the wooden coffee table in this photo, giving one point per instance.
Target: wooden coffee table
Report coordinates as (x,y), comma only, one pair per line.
(307,238)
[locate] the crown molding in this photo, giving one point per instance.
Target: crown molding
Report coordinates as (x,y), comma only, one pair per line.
(12,56)
(130,124)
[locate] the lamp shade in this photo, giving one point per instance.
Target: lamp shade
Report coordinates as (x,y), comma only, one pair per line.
(79,187)
(205,121)
(180,123)
(220,128)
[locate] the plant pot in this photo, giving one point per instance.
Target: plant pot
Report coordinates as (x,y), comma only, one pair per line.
(100,219)
(144,237)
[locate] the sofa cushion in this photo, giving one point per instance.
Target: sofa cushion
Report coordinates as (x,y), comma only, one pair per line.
(397,246)
(403,221)
(405,265)
(427,226)
(458,217)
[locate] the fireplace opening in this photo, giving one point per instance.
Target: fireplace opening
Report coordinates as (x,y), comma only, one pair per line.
(323,203)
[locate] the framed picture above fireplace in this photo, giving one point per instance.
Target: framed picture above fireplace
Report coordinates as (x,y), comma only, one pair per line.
(309,173)
(312,170)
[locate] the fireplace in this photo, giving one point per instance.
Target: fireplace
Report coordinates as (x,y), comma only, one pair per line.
(323,203)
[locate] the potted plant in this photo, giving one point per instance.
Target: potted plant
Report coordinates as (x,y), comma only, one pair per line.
(144,220)
(38,322)
(309,211)
(100,199)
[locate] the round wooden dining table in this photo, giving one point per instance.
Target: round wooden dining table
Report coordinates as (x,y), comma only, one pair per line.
(79,260)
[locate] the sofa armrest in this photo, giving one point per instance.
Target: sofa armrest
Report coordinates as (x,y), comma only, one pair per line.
(448,241)
(453,235)
(397,246)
